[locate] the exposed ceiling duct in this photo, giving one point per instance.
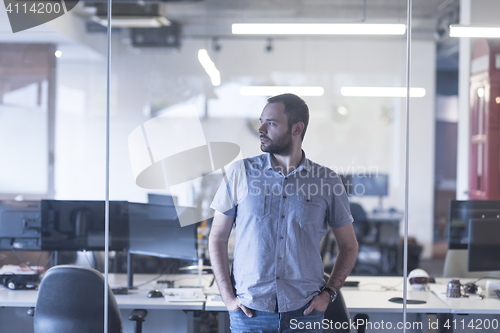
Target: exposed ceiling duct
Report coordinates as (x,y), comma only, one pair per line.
(131,15)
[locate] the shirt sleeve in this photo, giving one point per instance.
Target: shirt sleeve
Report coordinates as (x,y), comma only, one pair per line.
(224,200)
(232,190)
(339,212)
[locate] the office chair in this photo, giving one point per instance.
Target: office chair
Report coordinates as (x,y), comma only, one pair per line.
(71,300)
(337,312)
(361,225)
(363,232)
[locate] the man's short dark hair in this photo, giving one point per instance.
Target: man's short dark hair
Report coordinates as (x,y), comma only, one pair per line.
(296,109)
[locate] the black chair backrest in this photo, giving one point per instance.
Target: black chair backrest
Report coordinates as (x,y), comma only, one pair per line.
(71,300)
(338,316)
(360,225)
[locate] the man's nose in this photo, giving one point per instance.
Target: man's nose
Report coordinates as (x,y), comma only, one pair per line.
(262,129)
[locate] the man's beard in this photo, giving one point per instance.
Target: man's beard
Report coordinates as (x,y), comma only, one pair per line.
(280,146)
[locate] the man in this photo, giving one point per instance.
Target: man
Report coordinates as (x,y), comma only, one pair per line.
(281,204)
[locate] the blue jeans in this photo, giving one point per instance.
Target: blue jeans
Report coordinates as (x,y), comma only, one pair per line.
(274,322)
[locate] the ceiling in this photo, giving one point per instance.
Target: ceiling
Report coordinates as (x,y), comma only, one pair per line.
(214,17)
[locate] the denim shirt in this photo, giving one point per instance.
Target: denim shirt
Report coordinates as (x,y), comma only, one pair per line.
(279,223)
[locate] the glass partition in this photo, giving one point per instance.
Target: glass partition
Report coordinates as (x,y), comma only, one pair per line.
(52,111)
(179,90)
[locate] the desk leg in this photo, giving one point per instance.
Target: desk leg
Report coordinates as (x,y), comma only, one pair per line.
(223,322)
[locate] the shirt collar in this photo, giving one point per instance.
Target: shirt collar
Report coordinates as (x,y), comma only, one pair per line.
(305,164)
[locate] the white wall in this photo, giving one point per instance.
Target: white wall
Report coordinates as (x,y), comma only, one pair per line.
(356,142)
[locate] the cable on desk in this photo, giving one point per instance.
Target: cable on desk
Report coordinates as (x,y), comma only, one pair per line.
(24,262)
(49,259)
(153,279)
(383,287)
(484,278)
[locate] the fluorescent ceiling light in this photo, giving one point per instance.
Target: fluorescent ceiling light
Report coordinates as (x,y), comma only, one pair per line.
(318,29)
(276,90)
(209,67)
(381,91)
(478,32)
(133,21)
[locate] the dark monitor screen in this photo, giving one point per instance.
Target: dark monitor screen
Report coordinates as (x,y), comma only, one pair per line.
(155,230)
(366,184)
(461,212)
(162,199)
(484,245)
(20,225)
(79,225)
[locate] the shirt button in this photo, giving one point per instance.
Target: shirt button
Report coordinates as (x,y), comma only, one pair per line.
(282,216)
(282,237)
(284,197)
(280,257)
(277,278)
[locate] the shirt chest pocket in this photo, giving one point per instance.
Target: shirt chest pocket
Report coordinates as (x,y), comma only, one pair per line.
(257,203)
(310,210)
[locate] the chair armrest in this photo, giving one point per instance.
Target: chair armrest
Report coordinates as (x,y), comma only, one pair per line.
(138,315)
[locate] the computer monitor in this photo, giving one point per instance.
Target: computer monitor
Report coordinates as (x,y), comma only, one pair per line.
(79,225)
(155,230)
(367,184)
(460,212)
(162,199)
(484,245)
(20,225)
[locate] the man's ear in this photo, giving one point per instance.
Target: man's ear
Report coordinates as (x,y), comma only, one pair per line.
(298,128)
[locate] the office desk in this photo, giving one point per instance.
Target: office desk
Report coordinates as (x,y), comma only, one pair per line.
(163,316)
(464,305)
(370,297)
(138,298)
(447,314)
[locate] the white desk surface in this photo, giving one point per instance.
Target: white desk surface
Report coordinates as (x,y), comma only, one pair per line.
(472,305)
(138,298)
(371,295)
(135,299)
(371,302)
(364,296)
(377,302)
